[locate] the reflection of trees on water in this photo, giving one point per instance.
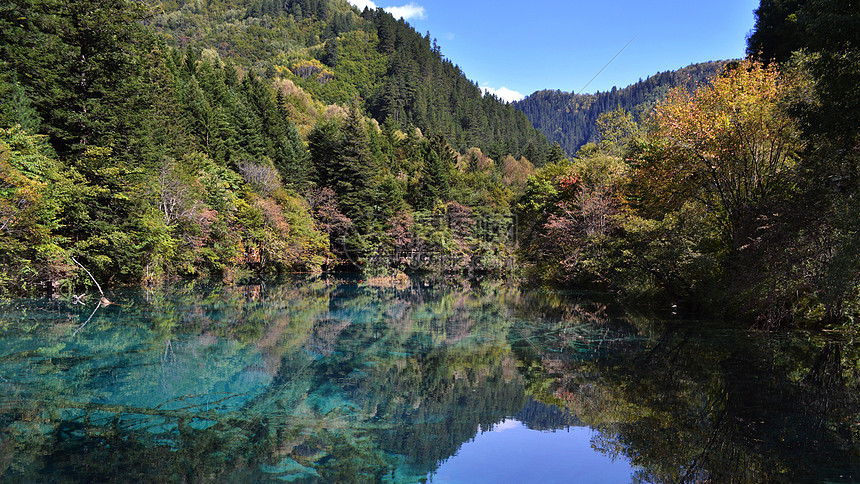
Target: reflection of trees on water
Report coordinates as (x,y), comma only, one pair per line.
(315,380)
(695,403)
(438,400)
(333,381)
(537,415)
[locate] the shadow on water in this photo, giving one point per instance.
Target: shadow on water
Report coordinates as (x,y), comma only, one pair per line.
(343,380)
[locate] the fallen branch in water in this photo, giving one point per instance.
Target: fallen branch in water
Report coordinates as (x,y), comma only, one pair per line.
(104,300)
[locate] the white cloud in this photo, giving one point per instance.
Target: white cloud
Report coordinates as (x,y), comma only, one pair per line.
(506,424)
(505,94)
(406,11)
(363,3)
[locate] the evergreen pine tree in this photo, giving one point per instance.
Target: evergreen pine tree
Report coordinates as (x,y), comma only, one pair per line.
(434,186)
(356,172)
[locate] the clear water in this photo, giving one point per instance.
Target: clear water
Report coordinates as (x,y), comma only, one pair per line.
(345,381)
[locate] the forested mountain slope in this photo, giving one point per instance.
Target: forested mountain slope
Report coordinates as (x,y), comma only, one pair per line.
(148,142)
(338,54)
(570,119)
(221,139)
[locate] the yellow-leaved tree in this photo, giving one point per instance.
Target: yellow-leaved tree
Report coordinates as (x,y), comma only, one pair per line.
(731,145)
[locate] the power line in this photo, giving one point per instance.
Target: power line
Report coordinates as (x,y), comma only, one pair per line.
(607,64)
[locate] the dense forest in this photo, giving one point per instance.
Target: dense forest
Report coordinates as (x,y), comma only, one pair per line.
(570,119)
(738,198)
(214,139)
(141,143)
(338,55)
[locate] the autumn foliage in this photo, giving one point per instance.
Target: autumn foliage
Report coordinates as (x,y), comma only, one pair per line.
(709,205)
(730,144)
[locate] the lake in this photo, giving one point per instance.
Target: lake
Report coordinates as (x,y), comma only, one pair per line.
(344,380)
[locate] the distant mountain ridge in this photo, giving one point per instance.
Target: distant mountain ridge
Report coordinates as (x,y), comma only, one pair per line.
(569,118)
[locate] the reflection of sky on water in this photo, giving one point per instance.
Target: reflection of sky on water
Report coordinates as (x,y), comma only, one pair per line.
(511,452)
(341,383)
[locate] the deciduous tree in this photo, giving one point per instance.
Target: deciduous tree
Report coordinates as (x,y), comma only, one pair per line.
(731,144)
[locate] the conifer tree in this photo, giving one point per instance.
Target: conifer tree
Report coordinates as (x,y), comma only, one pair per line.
(357,171)
(16,107)
(324,148)
(434,185)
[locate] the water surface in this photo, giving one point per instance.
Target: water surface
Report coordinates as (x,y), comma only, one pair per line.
(317,380)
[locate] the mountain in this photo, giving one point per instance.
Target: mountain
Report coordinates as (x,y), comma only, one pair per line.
(150,141)
(569,118)
(339,54)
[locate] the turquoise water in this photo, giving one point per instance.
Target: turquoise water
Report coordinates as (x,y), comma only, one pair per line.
(333,380)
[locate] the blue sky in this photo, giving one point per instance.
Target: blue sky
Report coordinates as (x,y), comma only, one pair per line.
(516,48)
